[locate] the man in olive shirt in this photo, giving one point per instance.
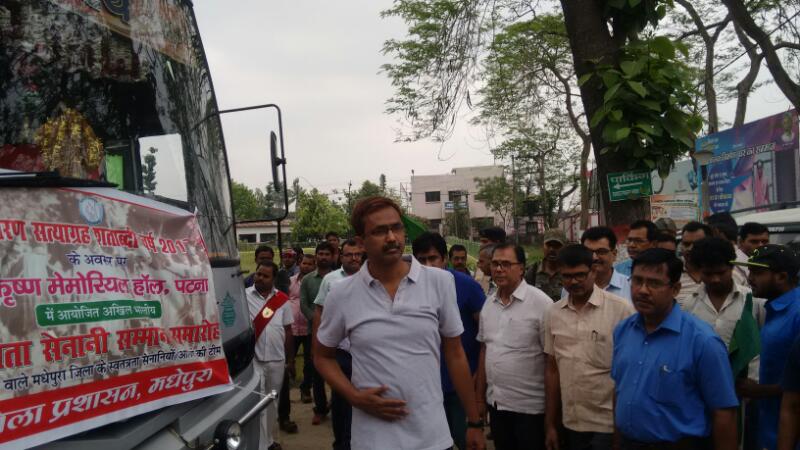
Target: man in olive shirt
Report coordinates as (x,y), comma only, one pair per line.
(544,275)
(309,289)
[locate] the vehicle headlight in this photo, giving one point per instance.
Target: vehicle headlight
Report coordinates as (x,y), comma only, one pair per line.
(228,435)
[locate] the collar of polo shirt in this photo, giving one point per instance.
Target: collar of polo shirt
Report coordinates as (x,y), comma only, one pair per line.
(413,272)
(672,322)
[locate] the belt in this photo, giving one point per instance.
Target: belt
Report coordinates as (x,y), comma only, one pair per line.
(687,443)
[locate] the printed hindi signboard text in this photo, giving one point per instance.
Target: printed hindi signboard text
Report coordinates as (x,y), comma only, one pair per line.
(108,311)
(628,185)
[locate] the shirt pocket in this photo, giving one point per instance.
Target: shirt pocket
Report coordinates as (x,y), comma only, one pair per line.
(669,386)
(519,333)
(599,347)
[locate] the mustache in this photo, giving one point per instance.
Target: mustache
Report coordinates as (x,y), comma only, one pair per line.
(390,246)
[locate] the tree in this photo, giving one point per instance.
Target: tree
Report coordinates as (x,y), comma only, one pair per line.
(317,215)
(770,50)
(149,171)
(637,121)
(246,202)
(498,196)
(457,223)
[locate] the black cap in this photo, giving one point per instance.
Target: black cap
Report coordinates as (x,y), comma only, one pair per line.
(777,258)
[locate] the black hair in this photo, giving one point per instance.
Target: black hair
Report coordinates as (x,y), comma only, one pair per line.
(597,233)
(494,234)
(428,240)
(298,251)
(664,236)
(350,243)
(654,257)
(264,248)
(520,252)
(576,255)
(752,228)
(693,226)
(271,265)
(712,251)
(652,229)
(724,223)
(331,233)
(456,248)
(325,246)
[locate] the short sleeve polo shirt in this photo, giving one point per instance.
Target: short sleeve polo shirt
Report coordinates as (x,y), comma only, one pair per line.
(396,343)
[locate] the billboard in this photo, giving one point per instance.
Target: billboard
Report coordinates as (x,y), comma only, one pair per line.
(754,165)
(108,311)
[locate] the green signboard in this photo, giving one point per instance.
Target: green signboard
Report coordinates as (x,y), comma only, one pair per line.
(628,185)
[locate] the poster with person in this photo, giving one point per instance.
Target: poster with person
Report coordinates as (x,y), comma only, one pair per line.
(754,165)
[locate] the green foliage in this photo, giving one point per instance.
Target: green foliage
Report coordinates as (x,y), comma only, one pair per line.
(498,196)
(457,224)
(317,215)
(648,113)
(628,18)
(246,202)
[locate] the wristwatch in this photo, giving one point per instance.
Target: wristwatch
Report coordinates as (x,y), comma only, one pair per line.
(478,424)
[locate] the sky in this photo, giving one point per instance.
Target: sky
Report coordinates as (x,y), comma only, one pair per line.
(320,62)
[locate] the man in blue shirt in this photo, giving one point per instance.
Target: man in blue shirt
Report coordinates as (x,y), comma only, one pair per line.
(674,386)
(641,236)
(430,249)
(773,275)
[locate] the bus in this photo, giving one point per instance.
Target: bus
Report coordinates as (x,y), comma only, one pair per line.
(113,101)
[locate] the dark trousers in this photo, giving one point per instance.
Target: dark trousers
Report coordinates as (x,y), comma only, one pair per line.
(318,387)
(341,411)
(517,431)
(683,444)
(577,440)
(284,404)
(456,419)
(308,364)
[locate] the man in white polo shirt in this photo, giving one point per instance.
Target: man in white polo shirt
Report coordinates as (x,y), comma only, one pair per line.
(273,341)
(397,315)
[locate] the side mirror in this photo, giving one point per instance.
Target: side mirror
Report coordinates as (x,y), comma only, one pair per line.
(277,163)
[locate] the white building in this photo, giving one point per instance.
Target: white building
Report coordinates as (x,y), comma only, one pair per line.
(265,232)
(433,196)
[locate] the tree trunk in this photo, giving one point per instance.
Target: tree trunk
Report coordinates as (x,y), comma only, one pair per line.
(587,149)
(590,39)
(742,17)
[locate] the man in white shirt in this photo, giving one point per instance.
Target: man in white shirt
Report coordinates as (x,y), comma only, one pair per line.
(273,344)
(510,376)
(398,316)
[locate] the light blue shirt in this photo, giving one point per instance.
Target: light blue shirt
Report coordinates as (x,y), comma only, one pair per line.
(619,285)
(669,381)
(625,267)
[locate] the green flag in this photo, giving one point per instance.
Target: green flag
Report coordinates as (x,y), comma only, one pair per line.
(745,342)
(413,227)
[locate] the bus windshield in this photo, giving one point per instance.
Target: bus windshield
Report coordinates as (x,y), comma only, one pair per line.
(116,92)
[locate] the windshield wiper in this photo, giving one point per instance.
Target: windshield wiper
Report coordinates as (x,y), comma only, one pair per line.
(46,179)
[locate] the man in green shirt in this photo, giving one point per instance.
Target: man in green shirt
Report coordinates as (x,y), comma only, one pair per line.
(308,293)
(545,274)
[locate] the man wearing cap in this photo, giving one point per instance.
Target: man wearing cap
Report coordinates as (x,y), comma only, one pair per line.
(773,275)
(545,274)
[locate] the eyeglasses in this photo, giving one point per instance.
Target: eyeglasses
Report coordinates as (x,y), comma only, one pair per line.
(578,277)
(651,283)
(352,255)
(383,230)
(637,241)
(504,264)
(601,251)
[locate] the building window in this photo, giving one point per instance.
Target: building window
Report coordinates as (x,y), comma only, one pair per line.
(263,237)
(434,224)
(432,197)
(454,196)
(251,238)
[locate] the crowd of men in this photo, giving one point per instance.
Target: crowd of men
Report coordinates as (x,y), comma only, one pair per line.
(690,345)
